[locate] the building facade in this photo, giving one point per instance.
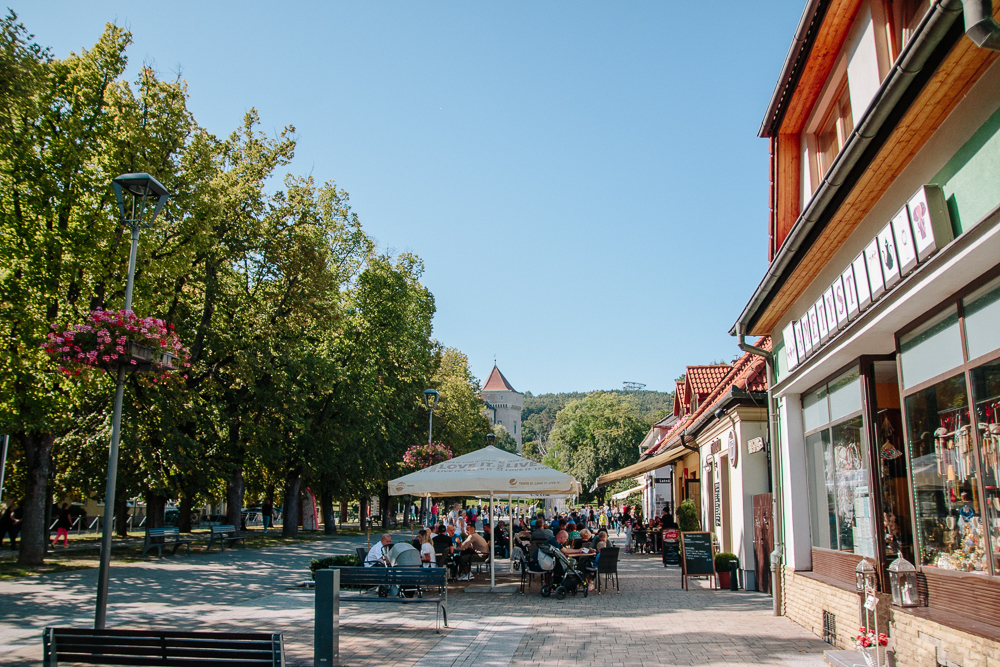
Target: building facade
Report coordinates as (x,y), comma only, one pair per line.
(882,299)
(503,404)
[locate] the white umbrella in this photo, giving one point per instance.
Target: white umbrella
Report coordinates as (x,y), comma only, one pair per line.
(486,471)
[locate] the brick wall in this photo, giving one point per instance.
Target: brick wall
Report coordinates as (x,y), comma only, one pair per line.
(920,642)
(916,641)
(804,600)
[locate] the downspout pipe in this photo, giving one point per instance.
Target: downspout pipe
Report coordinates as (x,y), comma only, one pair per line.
(778,553)
(980,25)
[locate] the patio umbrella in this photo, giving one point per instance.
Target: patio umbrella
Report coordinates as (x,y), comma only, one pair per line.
(488,471)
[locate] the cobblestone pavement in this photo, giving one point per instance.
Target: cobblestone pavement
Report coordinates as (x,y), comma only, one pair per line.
(651,621)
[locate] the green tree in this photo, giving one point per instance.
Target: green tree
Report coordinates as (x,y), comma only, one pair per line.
(595,435)
(459,422)
(505,440)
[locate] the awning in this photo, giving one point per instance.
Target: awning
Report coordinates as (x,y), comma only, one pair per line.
(625,494)
(641,467)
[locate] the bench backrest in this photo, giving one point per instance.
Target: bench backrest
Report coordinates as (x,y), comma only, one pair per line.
(393,576)
(224,529)
(162,532)
(137,647)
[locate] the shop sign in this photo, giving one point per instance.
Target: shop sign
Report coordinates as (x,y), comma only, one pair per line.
(718,505)
(916,232)
(755,445)
(662,480)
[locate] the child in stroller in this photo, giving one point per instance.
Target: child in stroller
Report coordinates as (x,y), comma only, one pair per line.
(572,578)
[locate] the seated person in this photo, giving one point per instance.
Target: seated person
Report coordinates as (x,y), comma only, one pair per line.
(574,534)
(443,544)
(541,533)
(427,557)
(377,554)
(474,544)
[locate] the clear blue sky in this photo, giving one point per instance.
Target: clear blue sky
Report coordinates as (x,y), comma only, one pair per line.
(583,180)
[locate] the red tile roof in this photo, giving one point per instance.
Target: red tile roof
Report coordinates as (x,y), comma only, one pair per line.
(748,373)
(497,382)
(703,379)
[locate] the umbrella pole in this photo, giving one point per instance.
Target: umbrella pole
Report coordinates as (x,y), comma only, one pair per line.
(493,551)
(510,532)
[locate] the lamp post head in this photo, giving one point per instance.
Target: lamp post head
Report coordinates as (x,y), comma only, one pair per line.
(431,398)
(491,439)
(140,187)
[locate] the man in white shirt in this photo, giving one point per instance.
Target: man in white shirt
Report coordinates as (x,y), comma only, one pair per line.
(378,551)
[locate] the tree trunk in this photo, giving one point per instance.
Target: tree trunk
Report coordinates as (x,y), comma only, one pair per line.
(386,507)
(186,508)
(290,526)
(38,461)
(363,513)
(326,506)
(121,513)
(344,502)
(235,488)
(155,504)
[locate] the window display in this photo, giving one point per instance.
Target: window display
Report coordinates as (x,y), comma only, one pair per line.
(837,466)
(945,485)
(986,393)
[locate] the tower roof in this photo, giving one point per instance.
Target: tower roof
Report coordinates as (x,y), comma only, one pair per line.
(497,382)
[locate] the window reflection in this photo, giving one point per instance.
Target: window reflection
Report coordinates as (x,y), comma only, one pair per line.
(986,392)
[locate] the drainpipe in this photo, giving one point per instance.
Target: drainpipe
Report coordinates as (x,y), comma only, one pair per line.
(775,471)
(980,25)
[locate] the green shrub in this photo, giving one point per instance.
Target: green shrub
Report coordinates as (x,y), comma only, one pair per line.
(687,516)
(723,559)
(345,560)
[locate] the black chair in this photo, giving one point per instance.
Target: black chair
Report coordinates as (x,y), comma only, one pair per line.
(607,565)
(528,575)
(362,554)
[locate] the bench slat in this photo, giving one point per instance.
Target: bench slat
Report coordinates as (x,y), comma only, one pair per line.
(171,651)
(171,634)
(155,642)
(131,660)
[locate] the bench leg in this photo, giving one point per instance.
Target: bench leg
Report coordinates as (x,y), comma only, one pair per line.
(444,613)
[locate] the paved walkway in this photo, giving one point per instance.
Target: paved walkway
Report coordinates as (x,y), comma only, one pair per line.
(650,622)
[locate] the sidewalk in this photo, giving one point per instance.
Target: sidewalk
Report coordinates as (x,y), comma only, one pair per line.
(651,622)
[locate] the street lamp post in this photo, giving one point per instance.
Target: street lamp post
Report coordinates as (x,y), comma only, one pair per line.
(140,187)
(431,398)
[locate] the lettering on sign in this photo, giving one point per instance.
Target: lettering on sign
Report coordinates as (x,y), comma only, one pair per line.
(718,505)
(916,232)
(755,445)
(662,480)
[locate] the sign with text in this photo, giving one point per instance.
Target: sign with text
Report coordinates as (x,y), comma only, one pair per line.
(697,557)
(671,546)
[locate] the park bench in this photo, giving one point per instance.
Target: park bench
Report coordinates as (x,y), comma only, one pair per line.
(157,538)
(384,578)
(160,647)
(225,534)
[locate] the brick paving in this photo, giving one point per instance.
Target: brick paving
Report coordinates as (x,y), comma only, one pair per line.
(650,622)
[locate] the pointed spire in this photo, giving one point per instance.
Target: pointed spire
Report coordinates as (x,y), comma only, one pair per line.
(497,382)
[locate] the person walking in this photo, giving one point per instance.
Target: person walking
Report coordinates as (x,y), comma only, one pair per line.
(63,524)
(267,514)
(9,525)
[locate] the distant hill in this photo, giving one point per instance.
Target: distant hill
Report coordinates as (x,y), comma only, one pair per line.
(539,414)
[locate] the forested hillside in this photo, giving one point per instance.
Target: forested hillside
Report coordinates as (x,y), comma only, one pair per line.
(539,414)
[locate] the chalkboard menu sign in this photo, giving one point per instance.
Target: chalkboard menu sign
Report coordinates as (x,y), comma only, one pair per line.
(671,546)
(697,557)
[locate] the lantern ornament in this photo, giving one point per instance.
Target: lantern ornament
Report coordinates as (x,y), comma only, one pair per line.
(865,578)
(903,579)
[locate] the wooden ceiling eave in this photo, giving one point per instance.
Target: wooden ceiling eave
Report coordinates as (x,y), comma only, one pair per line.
(946,88)
(821,59)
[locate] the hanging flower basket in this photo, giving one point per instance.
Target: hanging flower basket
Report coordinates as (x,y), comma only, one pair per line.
(872,645)
(110,339)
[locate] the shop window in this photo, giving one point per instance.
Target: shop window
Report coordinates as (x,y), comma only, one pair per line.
(982,320)
(932,349)
(895,496)
(945,485)
(837,467)
(986,393)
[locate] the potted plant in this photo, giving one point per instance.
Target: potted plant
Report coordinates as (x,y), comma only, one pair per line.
(687,516)
(872,645)
(722,561)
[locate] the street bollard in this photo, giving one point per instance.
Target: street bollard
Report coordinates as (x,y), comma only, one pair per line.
(734,577)
(326,634)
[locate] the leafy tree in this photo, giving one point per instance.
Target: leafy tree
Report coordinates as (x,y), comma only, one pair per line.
(595,435)
(505,440)
(459,421)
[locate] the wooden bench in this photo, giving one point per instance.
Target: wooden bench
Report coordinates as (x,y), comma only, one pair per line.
(404,577)
(225,534)
(157,538)
(159,647)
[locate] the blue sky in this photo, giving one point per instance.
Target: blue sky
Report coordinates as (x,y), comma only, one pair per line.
(582,180)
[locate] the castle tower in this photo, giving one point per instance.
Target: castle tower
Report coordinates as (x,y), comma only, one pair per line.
(503,404)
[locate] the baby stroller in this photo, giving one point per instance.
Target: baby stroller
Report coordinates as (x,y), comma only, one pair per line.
(573,579)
